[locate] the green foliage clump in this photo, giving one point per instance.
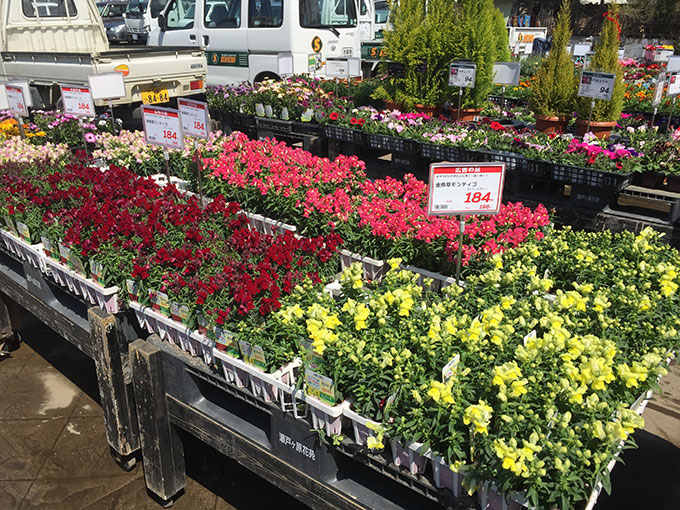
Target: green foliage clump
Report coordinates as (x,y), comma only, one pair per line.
(556,84)
(606,60)
(501,32)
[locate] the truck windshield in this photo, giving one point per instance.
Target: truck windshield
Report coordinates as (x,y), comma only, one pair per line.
(140,7)
(381,12)
(327,13)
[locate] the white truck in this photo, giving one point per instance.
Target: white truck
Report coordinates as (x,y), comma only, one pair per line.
(373,16)
(521,39)
(244,39)
(53,42)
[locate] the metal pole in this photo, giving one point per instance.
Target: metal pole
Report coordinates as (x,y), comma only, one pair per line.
(590,115)
(461,219)
(503,99)
(82,132)
(670,115)
(20,125)
(166,155)
(651,124)
(460,96)
(199,177)
(113,120)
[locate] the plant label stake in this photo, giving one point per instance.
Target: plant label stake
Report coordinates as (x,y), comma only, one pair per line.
(107,86)
(462,75)
(673,90)
(195,118)
(17,105)
(166,157)
(77,100)
(460,189)
(506,73)
(596,86)
(590,115)
(658,95)
(163,126)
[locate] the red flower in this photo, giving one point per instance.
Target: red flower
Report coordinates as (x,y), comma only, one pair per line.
(496,126)
(334,116)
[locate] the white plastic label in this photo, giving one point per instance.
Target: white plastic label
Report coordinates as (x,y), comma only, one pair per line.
(77,100)
(162,126)
(597,85)
(674,85)
(16,101)
(449,369)
(107,85)
(465,188)
(462,74)
(337,67)
(658,92)
(506,73)
(195,119)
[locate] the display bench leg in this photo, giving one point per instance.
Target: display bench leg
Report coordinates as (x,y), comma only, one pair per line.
(10,321)
(115,389)
(162,449)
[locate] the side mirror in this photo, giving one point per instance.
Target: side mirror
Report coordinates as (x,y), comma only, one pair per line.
(162,22)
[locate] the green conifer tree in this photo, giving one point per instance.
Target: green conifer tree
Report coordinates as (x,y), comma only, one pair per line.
(501,33)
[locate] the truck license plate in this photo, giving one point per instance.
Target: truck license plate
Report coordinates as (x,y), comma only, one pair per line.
(155,96)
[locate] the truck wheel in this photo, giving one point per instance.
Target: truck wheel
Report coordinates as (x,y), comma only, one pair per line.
(267,75)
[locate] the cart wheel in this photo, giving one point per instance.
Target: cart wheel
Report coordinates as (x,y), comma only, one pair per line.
(125,462)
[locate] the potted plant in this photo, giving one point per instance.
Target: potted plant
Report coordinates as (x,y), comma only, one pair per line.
(554,91)
(606,59)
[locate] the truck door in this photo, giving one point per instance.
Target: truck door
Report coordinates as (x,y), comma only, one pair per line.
(180,24)
(223,32)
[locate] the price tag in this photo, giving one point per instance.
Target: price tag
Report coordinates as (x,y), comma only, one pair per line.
(107,85)
(506,73)
(462,74)
(337,67)
(465,188)
(597,85)
(16,101)
(313,62)
(320,387)
(77,100)
(162,127)
(658,92)
(674,85)
(450,368)
(195,118)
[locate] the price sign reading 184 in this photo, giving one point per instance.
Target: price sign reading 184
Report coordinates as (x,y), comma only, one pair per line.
(597,85)
(462,74)
(162,126)
(465,188)
(77,100)
(15,100)
(195,120)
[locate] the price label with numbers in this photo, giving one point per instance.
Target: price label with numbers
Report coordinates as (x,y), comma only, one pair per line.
(674,85)
(77,100)
(195,119)
(465,188)
(162,126)
(658,91)
(15,100)
(462,74)
(597,85)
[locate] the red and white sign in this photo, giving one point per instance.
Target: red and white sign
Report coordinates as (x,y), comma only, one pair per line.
(195,119)
(465,188)
(16,101)
(77,100)
(162,126)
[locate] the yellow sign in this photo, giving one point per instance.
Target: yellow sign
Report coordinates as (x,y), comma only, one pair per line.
(122,69)
(527,38)
(155,96)
(317,44)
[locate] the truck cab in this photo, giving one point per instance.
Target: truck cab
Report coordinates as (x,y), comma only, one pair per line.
(373,16)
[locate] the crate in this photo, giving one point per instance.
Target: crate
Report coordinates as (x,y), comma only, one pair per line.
(640,201)
(240,120)
(590,177)
(512,161)
(392,144)
(344,134)
(307,128)
(434,151)
(532,167)
(275,127)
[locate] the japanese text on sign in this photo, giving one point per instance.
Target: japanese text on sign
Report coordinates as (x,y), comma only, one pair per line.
(16,101)
(77,100)
(658,92)
(597,85)
(195,120)
(162,126)
(674,85)
(462,74)
(297,446)
(337,67)
(465,188)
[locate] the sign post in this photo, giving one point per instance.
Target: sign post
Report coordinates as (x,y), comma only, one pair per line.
(107,86)
(460,189)
(195,122)
(17,105)
(77,100)
(163,126)
(506,73)
(673,90)
(462,75)
(658,95)
(596,86)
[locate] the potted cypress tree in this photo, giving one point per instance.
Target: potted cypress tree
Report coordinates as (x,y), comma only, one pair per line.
(554,92)
(606,60)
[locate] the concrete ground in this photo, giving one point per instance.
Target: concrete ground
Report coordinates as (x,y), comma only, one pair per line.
(54,454)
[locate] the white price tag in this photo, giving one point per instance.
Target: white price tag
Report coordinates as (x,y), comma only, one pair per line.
(107,85)
(658,92)
(16,101)
(77,100)
(673,85)
(162,126)
(337,67)
(465,188)
(506,73)
(195,119)
(313,62)
(462,74)
(597,85)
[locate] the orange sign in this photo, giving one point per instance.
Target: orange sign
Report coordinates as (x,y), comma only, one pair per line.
(527,38)
(122,69)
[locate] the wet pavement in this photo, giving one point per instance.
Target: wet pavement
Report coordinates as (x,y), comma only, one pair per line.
(54,454)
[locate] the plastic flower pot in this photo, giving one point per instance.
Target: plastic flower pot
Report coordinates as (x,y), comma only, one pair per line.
(551,124)
(359,426)
(466,114)
(373,269)
(602,130)
(490,499)
(444,477)
(439,281)
(408,456)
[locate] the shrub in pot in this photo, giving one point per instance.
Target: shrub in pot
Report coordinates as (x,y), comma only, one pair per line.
(554,92)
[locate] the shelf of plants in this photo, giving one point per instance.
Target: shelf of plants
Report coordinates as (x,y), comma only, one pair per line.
(536,369)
